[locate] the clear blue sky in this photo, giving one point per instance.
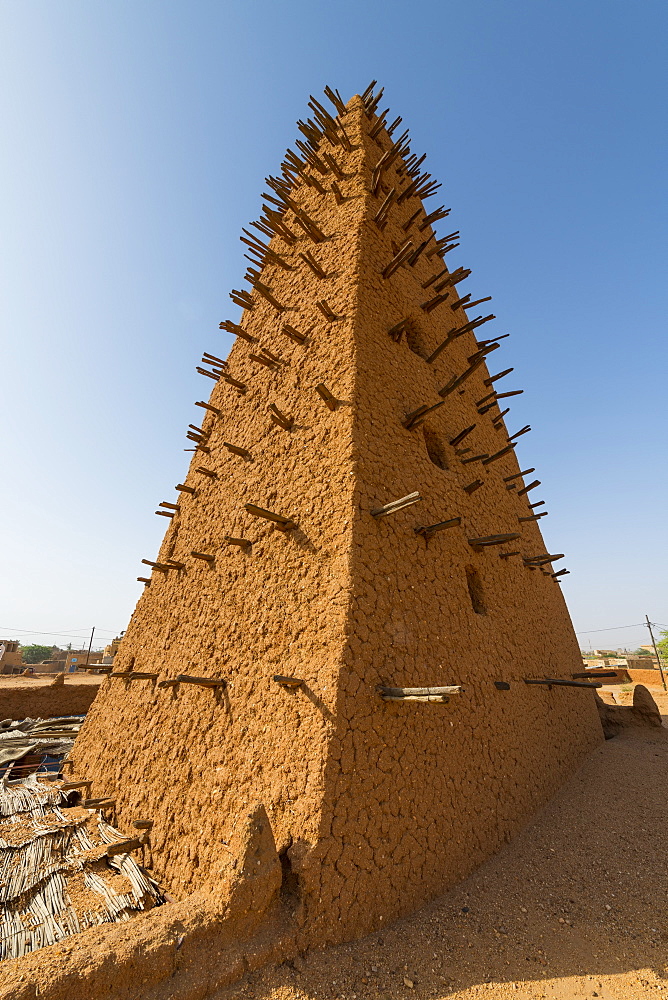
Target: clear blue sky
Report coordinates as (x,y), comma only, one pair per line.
(136,135)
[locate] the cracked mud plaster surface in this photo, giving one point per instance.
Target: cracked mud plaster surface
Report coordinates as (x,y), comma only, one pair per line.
(381,805)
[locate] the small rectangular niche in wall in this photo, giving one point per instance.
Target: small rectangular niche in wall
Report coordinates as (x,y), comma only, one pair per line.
(415,340)
(475,591)
(435,448)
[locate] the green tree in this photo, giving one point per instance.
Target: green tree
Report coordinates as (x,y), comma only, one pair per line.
(35,654)
(642,652)
(662,646)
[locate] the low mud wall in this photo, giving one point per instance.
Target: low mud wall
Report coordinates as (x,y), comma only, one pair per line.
(179,951)
(43,700)
(650,678)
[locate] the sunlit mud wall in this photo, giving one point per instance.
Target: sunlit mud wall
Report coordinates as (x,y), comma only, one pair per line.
(374,805)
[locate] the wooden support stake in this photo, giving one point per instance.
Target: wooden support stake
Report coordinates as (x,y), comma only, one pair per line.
(70,786)
(531,486)
(458,332)
(280,418)
(457,380)
(502,685)
(236,450)
(327,312)
(123,847)
(481,543)
(557,681)
(398,329)
(409,222)
(380,218)
(472,487)
(462,434)
(210,682)
(497,421)
(311,262)
(429,529)
(415,256)
(518,475)
(211,359)
(475,458)
(534,517)
(498,454)
(242,298)
(434,694)
(431,304)
(204,556)
(156,565)
(449,689)
(507,555)
(396,505)
(185,489)
(206,472)
(235,382)
(416,417)
(469,305)
(495,378)
(262,360)
(165,513)
(144,580)
(525,430)
(243,543)
(435,277)
(208,406)
(284,523)
(334,166)
(266,293)
(237,330)
(288,682)
(590,673)
(400,256)
(460,303)
(142,824)
(295,335)
(331,401)
(435,216)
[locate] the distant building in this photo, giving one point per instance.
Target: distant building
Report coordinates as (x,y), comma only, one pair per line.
(11,658)
(67,661)
(111,650)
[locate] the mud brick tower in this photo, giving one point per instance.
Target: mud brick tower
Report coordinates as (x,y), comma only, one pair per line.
(354,537)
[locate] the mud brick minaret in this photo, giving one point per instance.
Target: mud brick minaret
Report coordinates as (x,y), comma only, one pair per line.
(354,535)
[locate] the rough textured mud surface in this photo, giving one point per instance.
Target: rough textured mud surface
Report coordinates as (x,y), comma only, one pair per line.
(574,908)
(374,806)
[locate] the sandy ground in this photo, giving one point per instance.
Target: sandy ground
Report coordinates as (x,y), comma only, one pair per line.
(575,907)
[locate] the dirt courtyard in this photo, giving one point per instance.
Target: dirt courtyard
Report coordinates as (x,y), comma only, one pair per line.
(575,907)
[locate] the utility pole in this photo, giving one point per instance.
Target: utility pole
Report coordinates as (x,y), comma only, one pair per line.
(658,658)
(92,633)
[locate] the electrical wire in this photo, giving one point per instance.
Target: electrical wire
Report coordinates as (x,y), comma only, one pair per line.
(612,629)
(65,635)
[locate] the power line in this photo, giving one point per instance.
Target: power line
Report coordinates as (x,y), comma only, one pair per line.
(65,635)
(612,629)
